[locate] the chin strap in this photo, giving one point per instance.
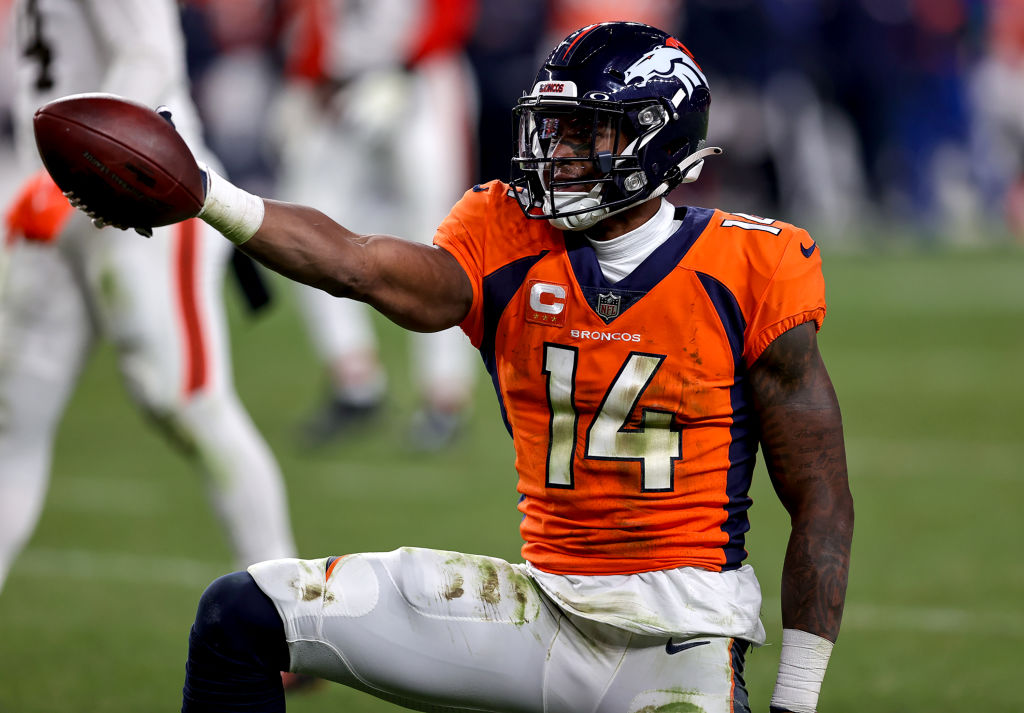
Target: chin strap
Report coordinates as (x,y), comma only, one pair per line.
(689,168)
(577,200)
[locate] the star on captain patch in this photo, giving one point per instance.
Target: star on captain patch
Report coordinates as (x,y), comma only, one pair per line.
(608,306)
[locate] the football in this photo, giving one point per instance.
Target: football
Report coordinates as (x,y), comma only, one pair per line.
(122,162)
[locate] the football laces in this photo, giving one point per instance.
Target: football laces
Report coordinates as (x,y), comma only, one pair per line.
(98,220)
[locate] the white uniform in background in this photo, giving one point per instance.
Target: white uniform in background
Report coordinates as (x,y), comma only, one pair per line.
(158,300)
(9,175)
(390,151)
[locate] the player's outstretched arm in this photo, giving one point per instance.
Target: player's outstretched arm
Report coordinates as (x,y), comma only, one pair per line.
(419,287)
(802,441)
(124,165)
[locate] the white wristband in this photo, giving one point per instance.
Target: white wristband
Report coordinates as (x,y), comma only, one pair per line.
(802,666)
(237,214)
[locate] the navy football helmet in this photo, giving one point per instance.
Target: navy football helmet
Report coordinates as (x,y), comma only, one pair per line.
(617,115)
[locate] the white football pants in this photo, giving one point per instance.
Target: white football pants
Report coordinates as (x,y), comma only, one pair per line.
(159,302)
(444,631)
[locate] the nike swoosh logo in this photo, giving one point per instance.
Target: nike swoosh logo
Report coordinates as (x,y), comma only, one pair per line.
(478,188)
(808,251)
(671,648)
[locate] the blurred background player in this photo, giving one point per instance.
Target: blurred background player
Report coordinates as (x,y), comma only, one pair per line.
(996,95)
(8,171)
(10,176)
(158,301)
(384,91)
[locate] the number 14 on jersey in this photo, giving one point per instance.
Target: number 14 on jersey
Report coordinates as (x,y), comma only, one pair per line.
(654,445)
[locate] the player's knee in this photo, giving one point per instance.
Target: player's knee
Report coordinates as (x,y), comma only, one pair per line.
(237,621)
(186,421)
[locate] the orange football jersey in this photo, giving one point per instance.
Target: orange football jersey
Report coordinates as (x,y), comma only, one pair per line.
(628,403)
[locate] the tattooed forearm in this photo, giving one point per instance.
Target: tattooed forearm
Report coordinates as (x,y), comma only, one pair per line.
(802,440)
(814,578)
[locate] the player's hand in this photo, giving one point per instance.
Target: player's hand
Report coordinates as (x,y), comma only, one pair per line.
(165,111)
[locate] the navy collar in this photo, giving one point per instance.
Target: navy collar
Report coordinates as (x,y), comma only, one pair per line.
(647,274)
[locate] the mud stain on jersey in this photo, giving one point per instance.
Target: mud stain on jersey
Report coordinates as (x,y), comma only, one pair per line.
(674,707)
(311,592)
(490,586)
(527,597)
(454,589)
(311,584)
(491,581)
(678,701)
(519,590)
(604,607)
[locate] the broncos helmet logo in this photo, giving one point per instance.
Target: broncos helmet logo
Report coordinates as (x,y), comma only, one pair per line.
(667,61)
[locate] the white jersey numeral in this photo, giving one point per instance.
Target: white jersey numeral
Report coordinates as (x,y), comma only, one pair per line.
(654,444)
(560,366)
(752,222)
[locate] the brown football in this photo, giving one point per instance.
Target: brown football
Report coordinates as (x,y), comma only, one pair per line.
(124,162)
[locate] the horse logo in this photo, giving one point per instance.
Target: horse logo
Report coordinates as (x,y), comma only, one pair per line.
(669,60)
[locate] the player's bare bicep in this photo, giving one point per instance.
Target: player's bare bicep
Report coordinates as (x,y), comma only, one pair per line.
(801,425)
(790,370)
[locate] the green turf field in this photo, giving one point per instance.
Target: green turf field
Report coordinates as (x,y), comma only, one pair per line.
(926,351)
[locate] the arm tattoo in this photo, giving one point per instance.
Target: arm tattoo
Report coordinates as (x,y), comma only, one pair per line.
(802,440)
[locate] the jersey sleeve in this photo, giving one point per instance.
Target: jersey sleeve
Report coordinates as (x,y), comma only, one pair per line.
(463,234)
(795,294)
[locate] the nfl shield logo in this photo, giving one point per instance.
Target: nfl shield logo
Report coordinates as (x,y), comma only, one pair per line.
(608,306)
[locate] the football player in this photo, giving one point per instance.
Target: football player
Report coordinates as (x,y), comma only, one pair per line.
(158,301)
(389,95)
(640,352)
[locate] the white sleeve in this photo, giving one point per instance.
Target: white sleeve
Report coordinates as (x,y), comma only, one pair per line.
(145,44)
